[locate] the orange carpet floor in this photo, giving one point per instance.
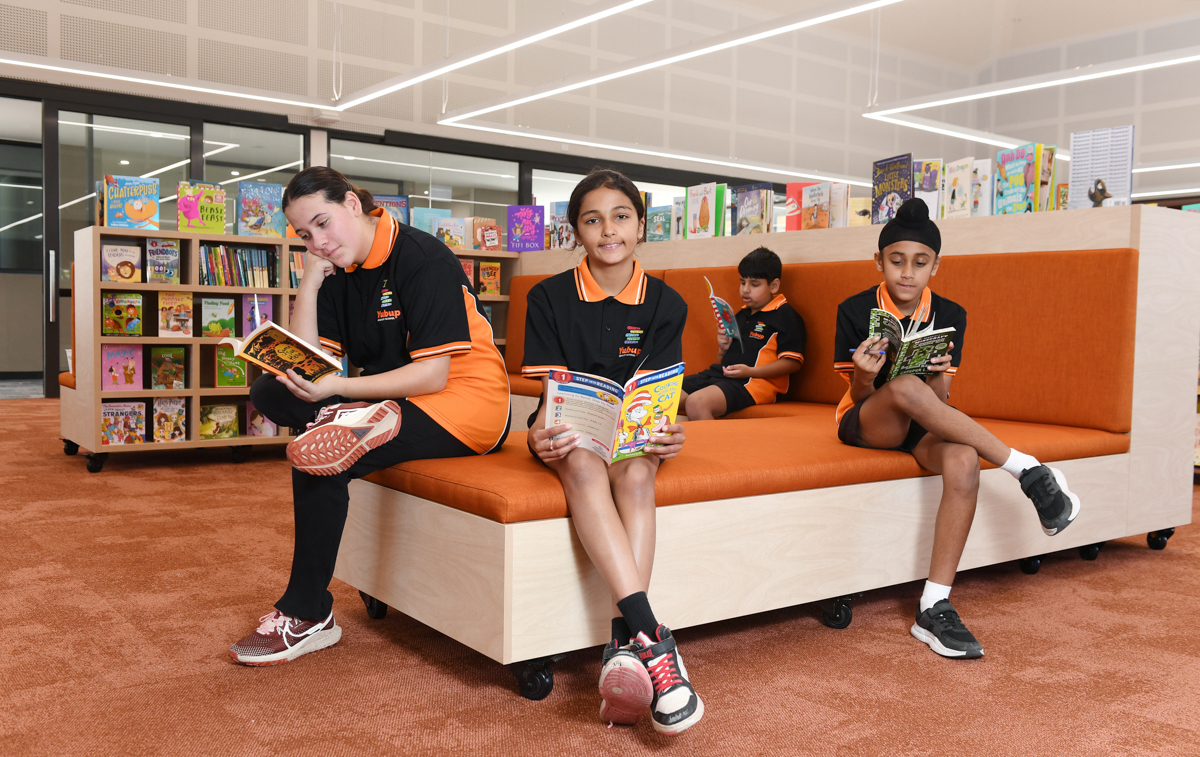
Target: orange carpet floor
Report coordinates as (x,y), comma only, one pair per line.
(122,590)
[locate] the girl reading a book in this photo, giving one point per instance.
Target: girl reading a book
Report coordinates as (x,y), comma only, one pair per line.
(606,317)
(396,303)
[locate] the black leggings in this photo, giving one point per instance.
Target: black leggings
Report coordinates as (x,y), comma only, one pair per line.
(320,502)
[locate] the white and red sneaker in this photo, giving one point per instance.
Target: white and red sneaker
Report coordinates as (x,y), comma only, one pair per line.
(677,706)
(625,688)
(342,434)
(281,638)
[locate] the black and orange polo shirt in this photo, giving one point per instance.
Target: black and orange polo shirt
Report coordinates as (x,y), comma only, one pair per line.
(410,301)
(776,331)
(573,325)
(854,321)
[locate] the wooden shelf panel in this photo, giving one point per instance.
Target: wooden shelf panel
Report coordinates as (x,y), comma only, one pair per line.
(493,298)
(109,231)
(462,252)
(501,341)
(116,286)
(222,391)
(249,441)
(158,340)
(135,394)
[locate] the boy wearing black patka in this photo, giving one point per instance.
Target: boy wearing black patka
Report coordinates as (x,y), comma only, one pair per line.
(755,370)
(910,413)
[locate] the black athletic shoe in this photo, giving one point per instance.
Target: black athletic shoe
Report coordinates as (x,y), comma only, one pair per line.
(1056,505)
(944,632)
(625,687)
(676,705)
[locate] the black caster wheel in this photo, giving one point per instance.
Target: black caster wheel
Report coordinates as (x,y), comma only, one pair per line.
(1090,551)
(70,447)
(238,453)
(535,678)
(1158,539)
(838,614)
(95,462)
(1031,565)
(376,610)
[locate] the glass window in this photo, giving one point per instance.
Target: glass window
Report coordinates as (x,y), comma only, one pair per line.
(234,153)
(21,243)
(20,206)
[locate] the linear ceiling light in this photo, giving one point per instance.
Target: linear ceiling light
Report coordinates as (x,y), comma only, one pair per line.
(421,165)
(672,156)
(773,28)
(1167,193)
(1175,167)
(20,186)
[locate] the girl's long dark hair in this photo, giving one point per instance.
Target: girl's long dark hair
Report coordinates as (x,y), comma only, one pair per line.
(603,178)
(332,185)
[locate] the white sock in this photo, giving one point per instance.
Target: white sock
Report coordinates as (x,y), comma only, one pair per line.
(933,594)
(1018,463)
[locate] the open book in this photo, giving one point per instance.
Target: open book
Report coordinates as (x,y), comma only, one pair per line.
(613,421)
(910,351)
(275,349)
(725,315)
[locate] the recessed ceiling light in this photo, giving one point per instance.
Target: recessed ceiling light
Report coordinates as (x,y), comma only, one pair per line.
(124,162)
(235,173)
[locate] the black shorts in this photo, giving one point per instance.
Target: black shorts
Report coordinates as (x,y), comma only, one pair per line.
(737,397)
(848,432)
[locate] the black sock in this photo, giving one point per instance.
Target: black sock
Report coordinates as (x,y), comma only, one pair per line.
(639,616)
(620,631)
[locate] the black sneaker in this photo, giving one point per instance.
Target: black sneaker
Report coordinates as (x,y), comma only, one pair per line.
(676,705)
(625,687)
(1056,505)
(944,632)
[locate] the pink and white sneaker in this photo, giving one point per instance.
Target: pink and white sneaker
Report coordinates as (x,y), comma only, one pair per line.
(342,434)
(625,687)
(281,638)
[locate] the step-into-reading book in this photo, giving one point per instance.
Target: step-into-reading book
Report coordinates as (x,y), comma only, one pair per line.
(726,317)
(909,351)
(614,421)
(275,349)
(891,185)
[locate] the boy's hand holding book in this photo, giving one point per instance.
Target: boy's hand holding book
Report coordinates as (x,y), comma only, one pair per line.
(939,364)
(723,341)
(869,358)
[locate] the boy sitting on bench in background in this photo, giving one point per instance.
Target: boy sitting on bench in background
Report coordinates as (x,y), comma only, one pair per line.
(755,370)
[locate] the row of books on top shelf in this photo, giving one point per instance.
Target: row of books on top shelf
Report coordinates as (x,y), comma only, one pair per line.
(132,202)
(122,314)
(126,422)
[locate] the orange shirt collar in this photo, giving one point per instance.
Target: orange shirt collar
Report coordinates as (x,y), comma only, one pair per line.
(920,314)
(774,304)
(385,238)
(634,292)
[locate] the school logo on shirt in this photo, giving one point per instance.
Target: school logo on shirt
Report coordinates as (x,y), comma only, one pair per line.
(633,340)
(757,332)
(386,311)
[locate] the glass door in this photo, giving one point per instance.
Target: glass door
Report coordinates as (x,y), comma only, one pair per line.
(21,302)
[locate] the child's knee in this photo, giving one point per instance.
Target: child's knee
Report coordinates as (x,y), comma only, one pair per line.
(960,466)
(635,476)
(581,468)
(909,389)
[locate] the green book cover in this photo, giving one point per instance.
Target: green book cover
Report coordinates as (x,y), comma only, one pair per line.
(911,351)
(167,368)
(218,317)
(658,224)
(122,313)
(201,207)
(231,370)
(218,422)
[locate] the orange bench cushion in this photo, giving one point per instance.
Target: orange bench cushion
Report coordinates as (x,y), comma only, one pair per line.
(66,379)
(722,459)
(526,387)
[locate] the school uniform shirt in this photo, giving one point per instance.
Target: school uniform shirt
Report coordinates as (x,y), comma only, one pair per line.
(573,325)
(853,326)
(776,331)
(410,301)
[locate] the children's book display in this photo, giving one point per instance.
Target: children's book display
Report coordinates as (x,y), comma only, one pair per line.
(122,423)
(658,224)
(1062,194)
(891,186)
(452,232)
(614,421)
(726,317)
(162,261)
(170,419)
(1044,175)
(814,212)
(201,207)
(218,421)
(275,349)
(260,210)
(839,205)
(468,266)
(425,219)
(472,229)
(526,228)
(927,185)
(218,317)
(487,237)
(561,235)
(167,368)
(1101,173)
(121,367)
(956,200)
(795,201)
(753,209)
(909,350)
(859,211)
(983,187)
(704,211)
(395,205)
(127,202)
(222,265)
(258,424)
(122,314)
(677,206)
(121,262)
(1015,170)
(489,277)
(174,313)
(257,309)
(230,370)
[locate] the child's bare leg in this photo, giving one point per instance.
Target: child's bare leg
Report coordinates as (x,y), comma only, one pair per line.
(633,492)
(705,404)
(959,466)
(884,416)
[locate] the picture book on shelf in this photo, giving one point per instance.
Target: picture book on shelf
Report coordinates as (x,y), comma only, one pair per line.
(167,368)
(230,369)
(658,224)
(121,367)
(526,228)
(1101,171)
(473,239)
(1193,208)
(122,423)
(614,421)
(983,187)
(395,205)
(257,309)
(705,205)
(795,201)
(1014,178)
(121,262)
(1062,194)
(275,349)
(753,207)
(956,202)
(562,236)
(468,266)
(859,211)
(218,421)
(452,232)
(487,313)
(839,205)
(162,261)
(814,212)
(489,277)
(426,219)
(1044,200)
(726,316)
(201,207)
(122,313)
(174,313)
(260,210)
(910,351)
(927,184)
(127,202)
(677,205)
(488,237)
(891,186)
(170,419)
(218,317)
(258,424)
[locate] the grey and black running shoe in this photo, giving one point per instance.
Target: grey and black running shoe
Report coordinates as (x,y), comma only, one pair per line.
(1056,505)
(944,632)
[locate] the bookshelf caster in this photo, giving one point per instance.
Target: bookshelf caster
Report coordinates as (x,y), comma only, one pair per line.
(1158,539)
(376,610)
(239,453)
(838,614)
(1090,551)
(95,462)
(1031,565)
(535,678)
(70,447)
